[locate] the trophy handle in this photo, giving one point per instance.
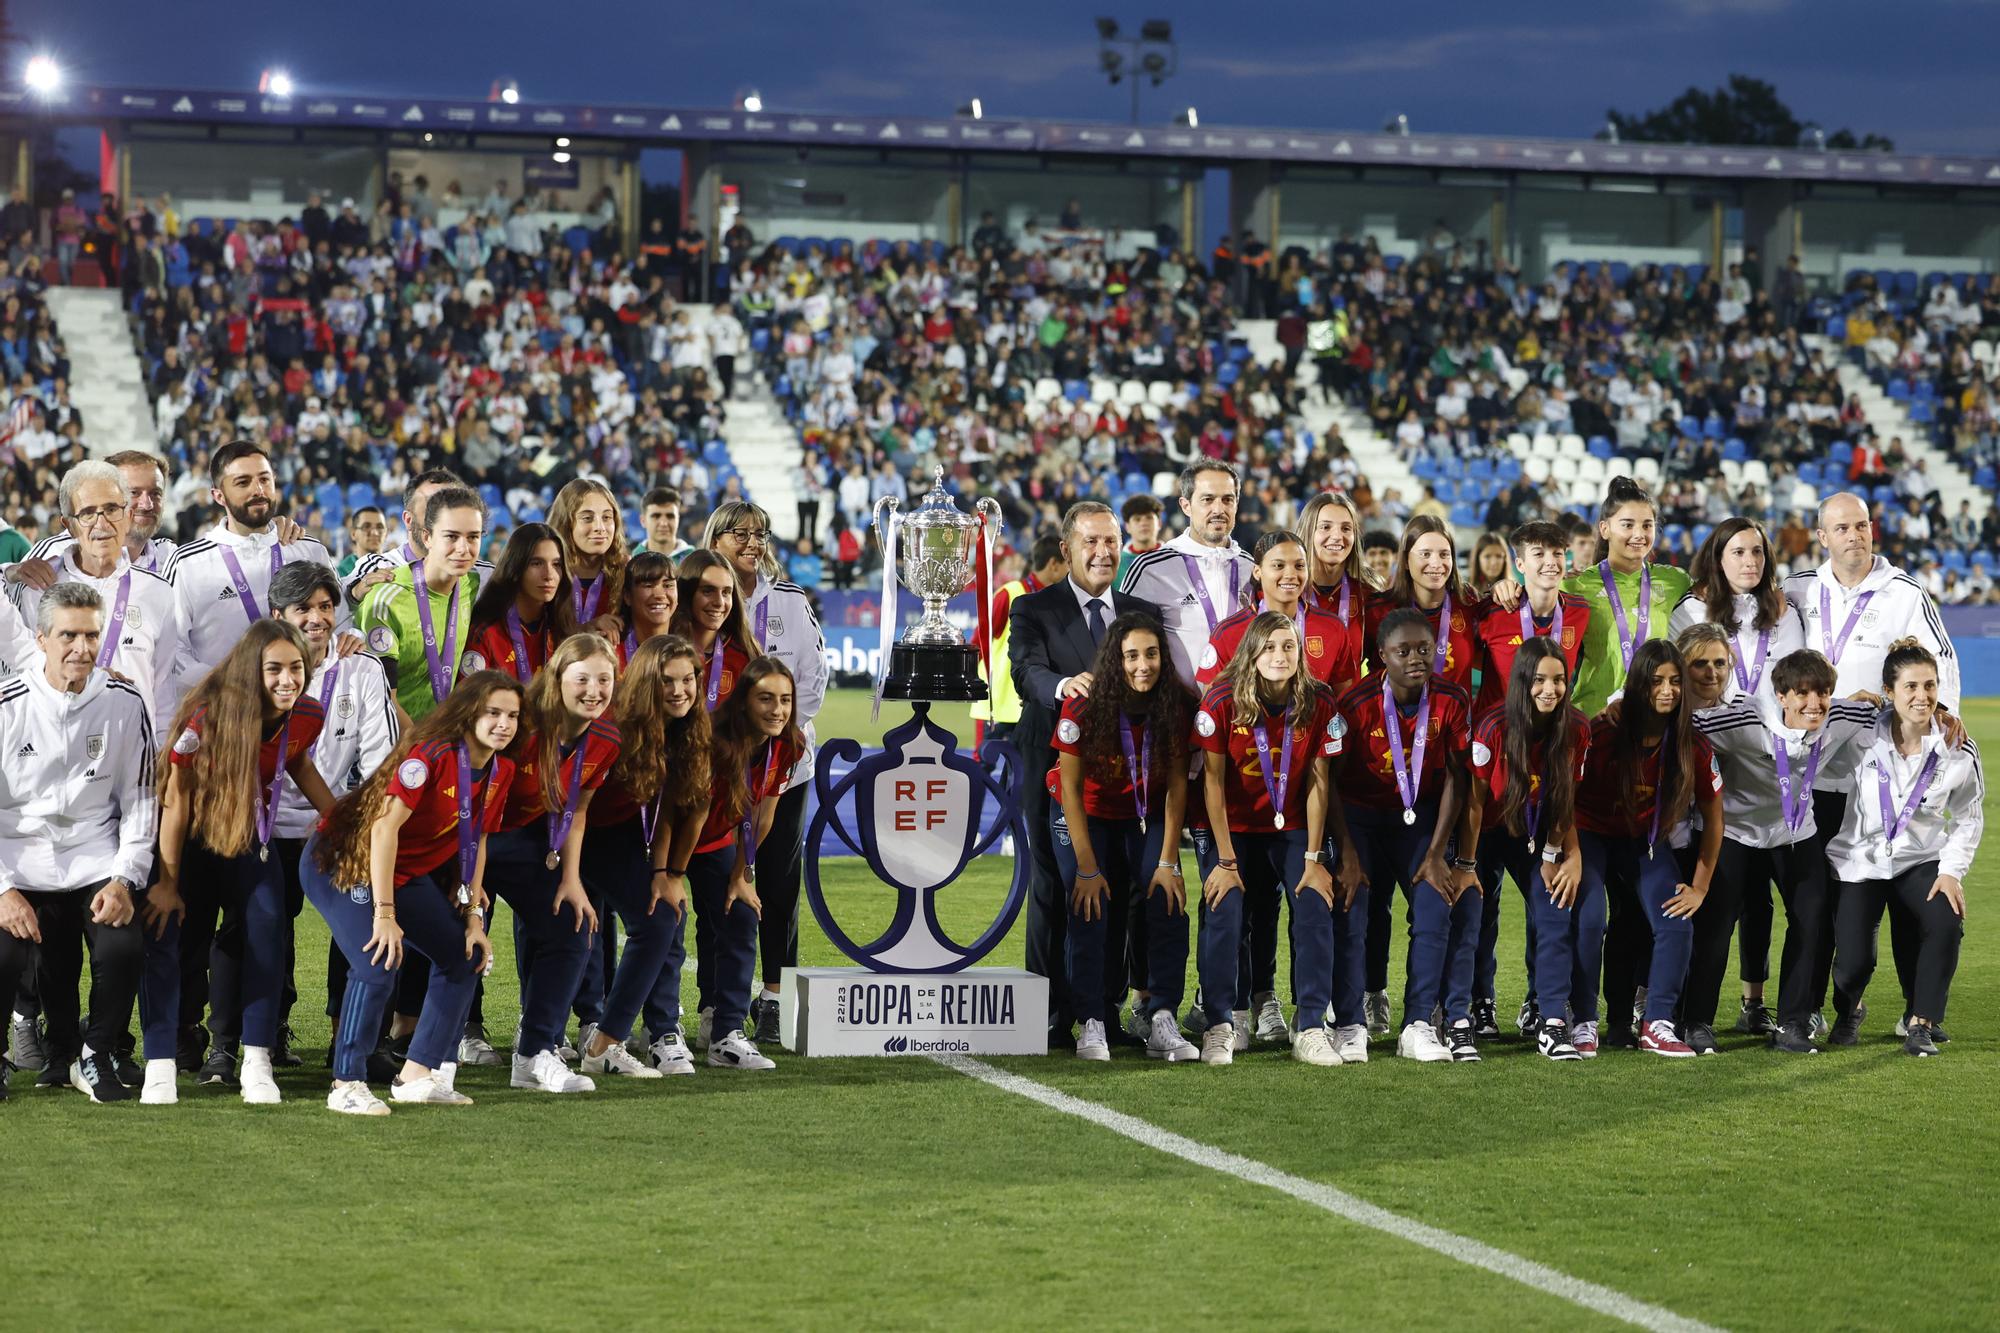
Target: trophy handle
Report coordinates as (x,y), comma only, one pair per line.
(988,508)
(880,522)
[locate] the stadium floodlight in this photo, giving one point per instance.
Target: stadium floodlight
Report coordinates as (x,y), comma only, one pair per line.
(1149,57)
(1609,134)
(510,92)
(559,156)
(1189,119)
(43,75)
(1397,124)
(562,141)
(1156,30)
(973,110)
(276,82)
(753,101)
(1813,137)
(1107,30)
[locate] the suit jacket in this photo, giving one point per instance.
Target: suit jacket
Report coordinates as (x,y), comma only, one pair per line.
(1049,639)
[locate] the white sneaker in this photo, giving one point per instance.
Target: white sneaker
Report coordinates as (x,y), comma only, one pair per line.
(354,1099)
(736,1051)
(474,1049)
(703,1033)
(1351,1041)
(547,1073)
(616,1060)
(433,1089)
(1583,1036)
(1165,1042)
(1092,1044)
(160,1089)
(1271,1020)
(259,1088)
(1420,1042)
(1314,1046)
(1241,1028)
(1218,1044)
(670,1054)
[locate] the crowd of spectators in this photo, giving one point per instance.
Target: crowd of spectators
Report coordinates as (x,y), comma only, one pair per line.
(41,430)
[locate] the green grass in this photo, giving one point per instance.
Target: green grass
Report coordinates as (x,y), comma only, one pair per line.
(1851,1190)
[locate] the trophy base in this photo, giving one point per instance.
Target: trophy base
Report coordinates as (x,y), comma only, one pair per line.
(937,673)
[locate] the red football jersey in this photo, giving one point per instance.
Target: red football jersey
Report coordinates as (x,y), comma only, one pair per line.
(1108,790)
(1619,803)
(769,773)
(1500,638)
(1489,762)
(495,647)
(1245,794)
(427,782)
(305,721)
(1458,645)
(1328,647)
(596,751)
(734,660)
(1354,625)
(1367,773)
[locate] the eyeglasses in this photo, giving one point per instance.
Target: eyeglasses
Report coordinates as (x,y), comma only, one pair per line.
(109,513)
(748,536)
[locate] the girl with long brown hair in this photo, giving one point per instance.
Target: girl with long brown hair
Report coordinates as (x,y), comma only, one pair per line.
(238,733)
(525,610)
(401,862)
(1330,527)
(1427,578)
(586,518)
(565,754)
(635,856)
(756,743)
(709,614)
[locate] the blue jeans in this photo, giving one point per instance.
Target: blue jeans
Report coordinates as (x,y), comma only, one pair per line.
(732,960)
(1620,867)
(1127,858)
(554,945)
(431,926)
(243,887)
(1443,936)
(618,870)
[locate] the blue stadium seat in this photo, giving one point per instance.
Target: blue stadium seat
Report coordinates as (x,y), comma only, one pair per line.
(1987,478)
(1465,516)
(789,244)
(495,501)
(1445,487)
(1735,451)
(1954,560)
(1696,272)
(1810,474)
(1836,327)
(1840,455)
(1690,428)
(532,514)
(361,494)
(1134,482)
(1620,271)
(1924,389)
(807,244)
(1899,389)
(1714,427)
(1392,262)
(1481,469)
(1883,495)
(1923,411)
(1077,391)
(1227,374)
(577,239)
(1906,283)
(1507,469)
(1675,538)
(1600,447)
(332,504)
(1701,534)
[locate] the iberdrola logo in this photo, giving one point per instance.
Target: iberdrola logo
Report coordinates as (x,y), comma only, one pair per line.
(917,809)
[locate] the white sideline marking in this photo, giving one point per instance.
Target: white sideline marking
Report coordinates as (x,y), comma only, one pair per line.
(1527,1272)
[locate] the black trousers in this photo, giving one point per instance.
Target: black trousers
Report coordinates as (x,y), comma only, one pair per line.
(225,956)
(117,956)
(1801,879)
(1939,932)
(780,866)
(1905,926)
(1048,901)
(1744,874)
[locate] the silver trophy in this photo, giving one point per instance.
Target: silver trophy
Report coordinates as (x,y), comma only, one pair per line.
(937,546)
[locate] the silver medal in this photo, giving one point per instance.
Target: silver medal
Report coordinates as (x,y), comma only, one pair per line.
(552,859)
(264,852)
(1279,820)
(1409,816)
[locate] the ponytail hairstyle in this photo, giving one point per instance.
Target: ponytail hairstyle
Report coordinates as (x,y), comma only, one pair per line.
(1320,575)
(736,737)
(1401,587)
(562,518)
(224,778)
(1711,584)
(657,751)
(1253,594)
(1675,794)
(1538,746)
(1300,695)
(737,628)
(543,713)
(342,850)
(1619,492)
(1168,707)
(1904,654)
(497,598)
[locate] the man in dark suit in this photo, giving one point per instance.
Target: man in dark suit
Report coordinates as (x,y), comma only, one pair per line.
(1054,636)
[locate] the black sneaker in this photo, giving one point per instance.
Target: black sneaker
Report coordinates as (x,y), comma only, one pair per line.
(1529,1019)
(93,1076)
(1485,1022)
(1622,1038)
(1847,1027)
(1792,1039)
(55,1074)
(1938,1034)
(1920,1041)
(764,1018)
(191,1048)
(1700,1038)
(24,1044)
(217,1071)
(1459,1037)
(6,1072)
(1553,1041)
(282,1055)
(1755,1020)
(130,1072)
(384,1064)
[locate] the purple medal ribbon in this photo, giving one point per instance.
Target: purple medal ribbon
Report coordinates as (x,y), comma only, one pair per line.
(631,644)
(1443,639)
(1748,680)
(1140,766)
(443,666)
(1795,813)
(267,807)
(523,669)
(115,630)
(586,607)
(763,618)
(1630,632)
(1409,768)
(750,811)
(1528,630)
(326,702)
(649,818)
(1201,588)
(715,673)
(247,598)
(1319,601)
(1836,644)
(559,825)
(1534,813)
(1282,783)
(1893,823)
(470,819)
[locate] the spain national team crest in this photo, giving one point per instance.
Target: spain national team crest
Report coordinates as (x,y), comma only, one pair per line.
(1569,638)
(93,748)
(1315,646)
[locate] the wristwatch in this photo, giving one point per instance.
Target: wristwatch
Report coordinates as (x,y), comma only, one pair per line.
(1318,856)
(1457,864)
(1551,855)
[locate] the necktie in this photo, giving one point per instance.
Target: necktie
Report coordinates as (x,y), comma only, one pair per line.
(1096,608)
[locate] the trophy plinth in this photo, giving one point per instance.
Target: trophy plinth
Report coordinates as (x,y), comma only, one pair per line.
(942,673)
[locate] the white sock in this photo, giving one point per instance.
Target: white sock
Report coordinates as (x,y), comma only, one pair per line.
(768,994)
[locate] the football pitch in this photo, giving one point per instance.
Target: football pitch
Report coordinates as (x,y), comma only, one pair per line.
(1855,1188)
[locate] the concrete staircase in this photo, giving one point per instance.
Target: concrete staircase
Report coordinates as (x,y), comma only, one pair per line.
(1889,421)
(107,379)
(765,448)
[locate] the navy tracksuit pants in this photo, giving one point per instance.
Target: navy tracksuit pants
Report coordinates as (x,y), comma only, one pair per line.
(618,871)
(1126,857)
(553,947)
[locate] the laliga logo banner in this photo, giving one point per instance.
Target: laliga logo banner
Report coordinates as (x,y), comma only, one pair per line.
(917,811)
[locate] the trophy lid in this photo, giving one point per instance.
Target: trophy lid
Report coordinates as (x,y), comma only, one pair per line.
(938,510)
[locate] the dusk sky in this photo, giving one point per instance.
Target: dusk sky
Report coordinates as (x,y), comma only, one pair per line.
(1917,71)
